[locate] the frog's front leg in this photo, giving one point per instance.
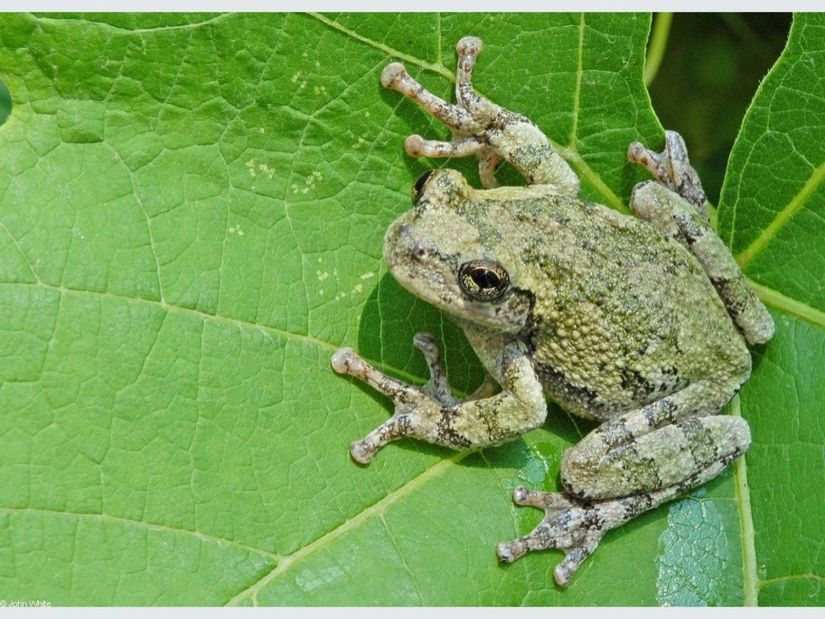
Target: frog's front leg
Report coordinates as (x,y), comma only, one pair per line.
(629,465)
(480,127)
(676,204)
(431,413)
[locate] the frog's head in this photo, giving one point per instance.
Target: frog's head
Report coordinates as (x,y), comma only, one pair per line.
(446,251)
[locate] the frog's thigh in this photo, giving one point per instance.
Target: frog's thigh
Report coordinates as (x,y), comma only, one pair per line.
(664,444)
(676,218)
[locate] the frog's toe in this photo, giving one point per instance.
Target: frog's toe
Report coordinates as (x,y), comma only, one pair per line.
(508,552)
(438,387)
(573,558)
(577,544)
(653,162)
(416,146)
(568,526)
(392,74)
(347,361)
(469,47)
(402,423)
(548,501)
(362,452)
(672,169)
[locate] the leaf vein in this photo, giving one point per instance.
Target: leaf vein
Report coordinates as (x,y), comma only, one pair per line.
(20,251)
(790,577)
(783,216)
(432,66)
(402,559)
(377,509)
(577,91)
(161,528)
(779,301)
(120,29)
(141,206)
(750,578)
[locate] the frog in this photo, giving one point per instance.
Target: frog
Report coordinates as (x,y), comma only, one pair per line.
(641,323)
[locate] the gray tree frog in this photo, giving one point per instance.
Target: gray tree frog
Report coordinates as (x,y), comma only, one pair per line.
(640,323)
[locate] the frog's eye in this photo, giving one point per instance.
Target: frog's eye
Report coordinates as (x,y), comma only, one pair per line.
(419,185)
(483,280)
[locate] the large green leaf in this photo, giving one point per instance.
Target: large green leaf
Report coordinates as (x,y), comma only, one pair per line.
(191,214)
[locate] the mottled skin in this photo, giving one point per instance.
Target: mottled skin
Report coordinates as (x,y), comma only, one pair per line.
(639,323)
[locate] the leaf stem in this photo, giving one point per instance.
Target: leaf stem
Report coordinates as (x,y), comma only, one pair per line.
(750,577)
(658,43)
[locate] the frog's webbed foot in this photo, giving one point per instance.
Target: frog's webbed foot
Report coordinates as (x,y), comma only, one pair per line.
(576,527)
(482,128)
(672,168)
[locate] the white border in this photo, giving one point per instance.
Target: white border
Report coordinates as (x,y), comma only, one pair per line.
(420,6)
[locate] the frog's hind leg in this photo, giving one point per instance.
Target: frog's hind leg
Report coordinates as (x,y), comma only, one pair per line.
(577,526)
(676,204)
(629,465)
(656,446)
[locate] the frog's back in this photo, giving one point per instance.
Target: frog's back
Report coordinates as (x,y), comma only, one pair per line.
(622,315)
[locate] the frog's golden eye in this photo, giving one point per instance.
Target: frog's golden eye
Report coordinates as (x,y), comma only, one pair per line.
(419,185)
(483,280)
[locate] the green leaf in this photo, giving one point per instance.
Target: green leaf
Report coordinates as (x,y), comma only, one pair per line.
(191,215)
(772,213)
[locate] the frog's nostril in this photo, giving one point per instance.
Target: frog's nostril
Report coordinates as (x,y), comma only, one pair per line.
(419,251)
(416,247)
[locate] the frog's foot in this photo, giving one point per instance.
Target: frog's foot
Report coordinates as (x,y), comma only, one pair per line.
(480,127)
(672,168)
(468,120)
(410,401)
(433,414)
(576,527)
